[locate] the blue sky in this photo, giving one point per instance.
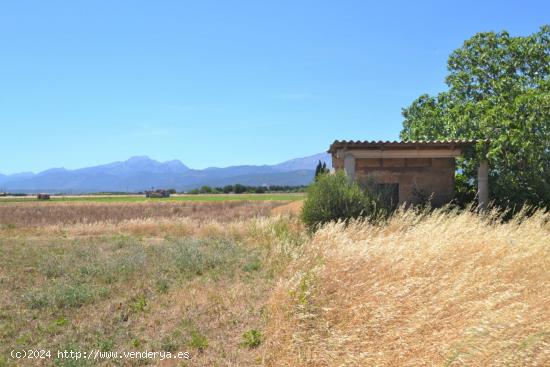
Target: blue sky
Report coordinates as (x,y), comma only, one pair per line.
(217,83)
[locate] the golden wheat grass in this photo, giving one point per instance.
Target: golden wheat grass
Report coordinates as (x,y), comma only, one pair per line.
(36,214)
(443,289)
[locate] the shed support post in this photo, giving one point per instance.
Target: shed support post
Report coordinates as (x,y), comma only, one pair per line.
(483,185)
(349,166)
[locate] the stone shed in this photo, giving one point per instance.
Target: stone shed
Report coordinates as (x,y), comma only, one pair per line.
(407,171)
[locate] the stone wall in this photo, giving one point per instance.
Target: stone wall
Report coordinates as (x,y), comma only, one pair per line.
(418,178)
(337,162)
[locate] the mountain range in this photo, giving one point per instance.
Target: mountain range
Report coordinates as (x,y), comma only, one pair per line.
(141,173)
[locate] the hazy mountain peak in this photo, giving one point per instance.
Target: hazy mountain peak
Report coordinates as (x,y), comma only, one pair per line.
(138,173)
(139,158)
(53,170)
(176,165)
(308,163)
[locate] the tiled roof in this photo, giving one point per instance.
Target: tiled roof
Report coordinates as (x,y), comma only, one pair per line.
(338,144)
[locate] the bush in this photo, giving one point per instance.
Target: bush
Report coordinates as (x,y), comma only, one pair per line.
(333,197)
(198,340)
(252,338)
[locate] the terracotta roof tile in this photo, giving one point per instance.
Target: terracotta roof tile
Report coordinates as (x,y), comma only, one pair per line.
(402,143)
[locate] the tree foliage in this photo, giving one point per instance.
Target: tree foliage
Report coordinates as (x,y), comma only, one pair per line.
(239,189)
(498,89)
(320,169)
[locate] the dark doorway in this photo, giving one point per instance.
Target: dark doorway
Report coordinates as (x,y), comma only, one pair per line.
(388,194)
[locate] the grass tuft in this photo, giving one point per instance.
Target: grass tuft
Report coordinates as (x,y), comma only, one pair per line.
(252,338)
(198,340)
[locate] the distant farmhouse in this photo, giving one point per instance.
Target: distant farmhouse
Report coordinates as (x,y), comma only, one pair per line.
(159,193)
(43,196)
(410,171)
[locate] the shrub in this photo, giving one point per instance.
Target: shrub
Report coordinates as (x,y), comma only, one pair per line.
(252,338)
(139,304)
(333,197)
(61,321)
(198,340)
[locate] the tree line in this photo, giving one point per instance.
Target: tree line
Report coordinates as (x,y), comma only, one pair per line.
(245,189)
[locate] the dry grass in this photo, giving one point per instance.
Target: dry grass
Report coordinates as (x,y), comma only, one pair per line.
(443,289)
(292,208)
(30,214)
(435,290)
(193,284)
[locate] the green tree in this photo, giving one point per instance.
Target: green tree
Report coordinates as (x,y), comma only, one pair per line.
(205,189)
(320,169)
(317,170)
(239,189)
(259,190)
(498,89)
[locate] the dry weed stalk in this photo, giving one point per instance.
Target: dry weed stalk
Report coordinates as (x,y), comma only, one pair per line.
(442,289)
